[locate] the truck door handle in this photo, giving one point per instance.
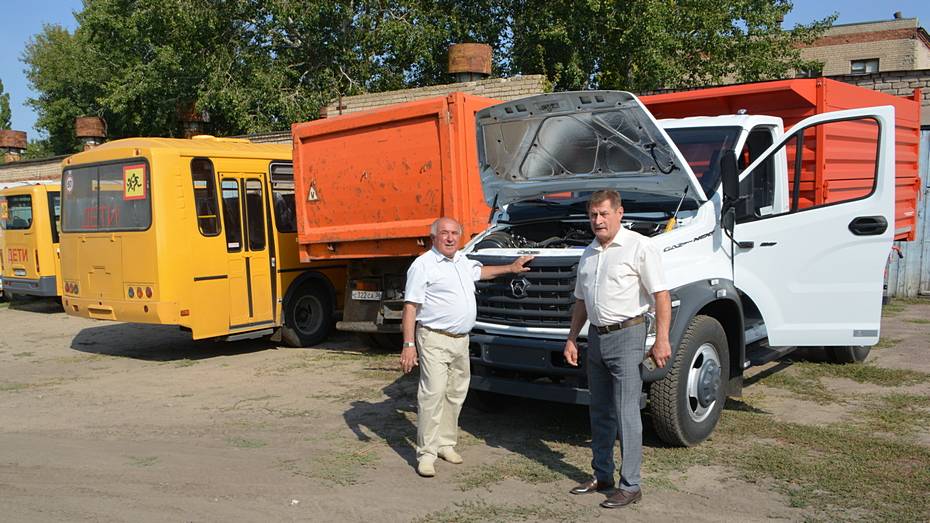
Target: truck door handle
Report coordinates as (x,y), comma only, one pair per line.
(745,245)
(868,225)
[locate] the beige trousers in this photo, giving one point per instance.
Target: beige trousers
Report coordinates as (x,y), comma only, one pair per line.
(444,376)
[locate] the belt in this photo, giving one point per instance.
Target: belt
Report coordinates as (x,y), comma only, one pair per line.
(622,325)
(446,333)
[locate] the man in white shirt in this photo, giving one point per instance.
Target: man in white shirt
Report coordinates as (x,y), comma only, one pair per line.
(440,310)
(619,276)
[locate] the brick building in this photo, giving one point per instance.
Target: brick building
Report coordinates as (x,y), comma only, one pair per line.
(899,44)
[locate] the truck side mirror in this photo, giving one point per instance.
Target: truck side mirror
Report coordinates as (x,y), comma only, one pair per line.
(729,176)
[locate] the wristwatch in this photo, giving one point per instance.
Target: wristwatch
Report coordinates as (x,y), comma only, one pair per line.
(409,344)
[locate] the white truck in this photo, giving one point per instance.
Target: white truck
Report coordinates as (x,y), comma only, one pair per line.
(757,262)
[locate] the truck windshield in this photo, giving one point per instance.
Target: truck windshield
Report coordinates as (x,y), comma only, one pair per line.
(16,212)
(107,197)
(701,147)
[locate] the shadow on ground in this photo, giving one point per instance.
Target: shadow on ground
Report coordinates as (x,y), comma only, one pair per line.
(529,428)
(40,305)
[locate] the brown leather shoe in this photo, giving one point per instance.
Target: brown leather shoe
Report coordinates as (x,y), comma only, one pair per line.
(622,498)
(592,485)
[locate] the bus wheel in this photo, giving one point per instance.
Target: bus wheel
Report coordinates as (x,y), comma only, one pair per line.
(308,316)
(686,403)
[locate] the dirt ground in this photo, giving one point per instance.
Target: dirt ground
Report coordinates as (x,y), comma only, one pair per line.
(116,422)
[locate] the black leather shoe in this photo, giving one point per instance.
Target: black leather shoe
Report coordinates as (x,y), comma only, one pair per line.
(592,485)
(622,498)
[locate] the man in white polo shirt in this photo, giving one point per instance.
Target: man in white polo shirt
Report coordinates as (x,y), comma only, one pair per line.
(619,277)
(440,310)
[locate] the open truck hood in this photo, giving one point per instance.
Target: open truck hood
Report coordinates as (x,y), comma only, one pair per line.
(577,141)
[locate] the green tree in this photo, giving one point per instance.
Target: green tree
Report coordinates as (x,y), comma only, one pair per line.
(649,44)
(5,114)
(259,65)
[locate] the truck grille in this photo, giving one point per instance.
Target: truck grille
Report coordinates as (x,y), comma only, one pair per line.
(542,297)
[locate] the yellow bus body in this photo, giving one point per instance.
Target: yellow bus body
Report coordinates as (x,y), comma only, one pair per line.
(29,262)
(199,233)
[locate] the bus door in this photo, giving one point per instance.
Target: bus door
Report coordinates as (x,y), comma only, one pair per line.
(250,303)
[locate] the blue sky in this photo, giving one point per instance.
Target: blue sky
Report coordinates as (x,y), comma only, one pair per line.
(21,19)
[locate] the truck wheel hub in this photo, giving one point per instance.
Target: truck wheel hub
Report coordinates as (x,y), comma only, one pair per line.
(708,383)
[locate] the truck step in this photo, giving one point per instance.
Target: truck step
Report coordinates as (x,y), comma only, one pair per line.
(760,353)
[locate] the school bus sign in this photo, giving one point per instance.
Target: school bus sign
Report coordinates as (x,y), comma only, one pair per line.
(134,182)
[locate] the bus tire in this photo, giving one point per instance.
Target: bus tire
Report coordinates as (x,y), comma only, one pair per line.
(308,316)
(847,355)
(686,404)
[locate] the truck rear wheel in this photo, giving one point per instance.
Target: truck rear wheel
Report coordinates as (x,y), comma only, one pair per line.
(848,354)
(308,316)
(686,404)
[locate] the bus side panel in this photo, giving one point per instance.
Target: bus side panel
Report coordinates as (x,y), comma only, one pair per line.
(207,317)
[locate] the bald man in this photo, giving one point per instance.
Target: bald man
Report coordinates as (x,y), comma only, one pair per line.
(439,311)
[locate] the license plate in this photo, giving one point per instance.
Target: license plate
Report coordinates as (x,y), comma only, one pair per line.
(366,295)
(19,272)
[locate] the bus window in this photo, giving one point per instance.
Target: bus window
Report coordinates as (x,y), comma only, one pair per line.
(282,185)
(16,212)
(231,215)
(255,218)
(107,197)
(204,181)
(54,211)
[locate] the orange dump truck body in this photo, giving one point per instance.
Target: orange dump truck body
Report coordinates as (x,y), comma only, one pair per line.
(369,184)
(794,100)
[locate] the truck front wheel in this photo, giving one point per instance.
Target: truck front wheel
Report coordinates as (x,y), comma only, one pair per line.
(848,354)
(686,404)
(308,316)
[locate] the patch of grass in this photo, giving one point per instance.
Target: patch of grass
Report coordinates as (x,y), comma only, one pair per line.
(361,393)
(23,354)
(479,511)
(343,467)
(514,466)
(245,443)
(919,321)
(911,301)
(892,308)
(664,460)
(143,461)
(886,343)
(804,385)
(866,373)
(4,304)
(325,359)
(827,467)
(902,414)
(9,386)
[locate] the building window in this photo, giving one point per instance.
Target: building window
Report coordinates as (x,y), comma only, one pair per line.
(867,66)
(811,72)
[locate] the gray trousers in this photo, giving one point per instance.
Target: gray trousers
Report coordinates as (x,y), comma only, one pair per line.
(616,386)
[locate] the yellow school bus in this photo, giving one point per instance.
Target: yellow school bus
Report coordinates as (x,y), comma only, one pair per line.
(199,233)
(29,262)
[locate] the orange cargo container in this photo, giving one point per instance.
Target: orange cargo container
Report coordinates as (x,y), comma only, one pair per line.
(369,184)
(822,176)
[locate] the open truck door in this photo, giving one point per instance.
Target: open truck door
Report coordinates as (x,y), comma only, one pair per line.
(813,264)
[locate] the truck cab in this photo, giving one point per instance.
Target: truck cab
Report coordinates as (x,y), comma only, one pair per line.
(757,259)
